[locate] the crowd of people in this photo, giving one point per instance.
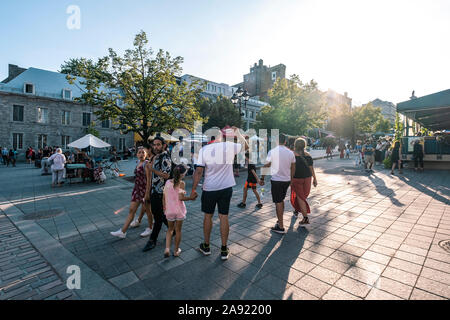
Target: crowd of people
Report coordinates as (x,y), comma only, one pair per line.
(160,190)
(9,156)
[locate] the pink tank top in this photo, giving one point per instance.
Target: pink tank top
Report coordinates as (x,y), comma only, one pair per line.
(173,203)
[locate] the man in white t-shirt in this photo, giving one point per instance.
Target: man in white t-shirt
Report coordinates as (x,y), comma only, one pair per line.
(216,160)
(281,160)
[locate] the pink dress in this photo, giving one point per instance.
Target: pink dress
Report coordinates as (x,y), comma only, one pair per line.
(175,208)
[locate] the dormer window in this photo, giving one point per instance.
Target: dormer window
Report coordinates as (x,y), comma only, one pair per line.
(67,94)
(28,88)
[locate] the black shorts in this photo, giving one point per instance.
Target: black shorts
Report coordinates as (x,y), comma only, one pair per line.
(220,197)
(279,190)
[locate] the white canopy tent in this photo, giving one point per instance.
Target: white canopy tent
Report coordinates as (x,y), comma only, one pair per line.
(89,140)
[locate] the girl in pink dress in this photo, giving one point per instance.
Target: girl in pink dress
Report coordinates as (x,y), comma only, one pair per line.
(174,208)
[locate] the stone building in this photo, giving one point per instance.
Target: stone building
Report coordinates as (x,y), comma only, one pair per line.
(213,89)
(37,108)
(261,78)
(388,109)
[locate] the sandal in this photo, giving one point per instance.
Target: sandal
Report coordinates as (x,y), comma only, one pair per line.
(177,253)
(304,221)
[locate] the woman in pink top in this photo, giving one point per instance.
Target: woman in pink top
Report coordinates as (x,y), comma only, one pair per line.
(174,208)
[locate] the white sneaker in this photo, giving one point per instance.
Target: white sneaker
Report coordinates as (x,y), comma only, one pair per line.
(146,233)
(119,234)
(135,224)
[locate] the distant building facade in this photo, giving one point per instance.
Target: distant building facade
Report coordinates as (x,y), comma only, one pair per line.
(210,87)
(261,78)
(388,109)
(37,109)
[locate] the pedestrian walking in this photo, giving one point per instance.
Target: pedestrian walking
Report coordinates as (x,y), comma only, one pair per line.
(281,160)
(57,161)
(329,152)
(162,166)
(13,156)
(216,161)
(369,155)
(174,208)
(139,194)
(251,182)
(301,181)
(4,154)
(146,207)
(418,154)
(396,157)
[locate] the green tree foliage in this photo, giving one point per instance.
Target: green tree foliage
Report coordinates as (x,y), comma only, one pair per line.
(137,91)
(295,108)
(91,129)
(341,121)
(368,119)
(399,127)
(218,112)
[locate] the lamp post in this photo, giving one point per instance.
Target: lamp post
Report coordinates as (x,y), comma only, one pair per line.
(237,97)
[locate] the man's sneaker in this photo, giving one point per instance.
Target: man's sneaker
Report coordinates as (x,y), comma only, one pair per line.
(149,246)
(304,221)
(224,253)
(242,205)
(277,229)
(259,206)
(119,234)
(135,224)
(205,249)
(146,233)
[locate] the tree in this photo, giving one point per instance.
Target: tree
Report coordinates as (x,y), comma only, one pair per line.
(341,121)
(295,107)
(139,91)
(218,112)
(399,127)
(368,120)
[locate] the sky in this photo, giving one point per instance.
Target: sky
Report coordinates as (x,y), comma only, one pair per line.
(370,49)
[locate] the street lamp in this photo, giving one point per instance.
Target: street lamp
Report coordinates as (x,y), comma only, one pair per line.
(237,97)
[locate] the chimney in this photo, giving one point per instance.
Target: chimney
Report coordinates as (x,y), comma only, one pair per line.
(13,71)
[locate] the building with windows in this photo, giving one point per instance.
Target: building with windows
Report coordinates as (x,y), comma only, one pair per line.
(213,89)
(261,78)
(388,109)
(37,108)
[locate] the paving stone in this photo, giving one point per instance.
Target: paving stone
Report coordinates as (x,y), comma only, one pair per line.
(338,294)
(313,286)
(124,280)
(376,294)
(418,294)
(352,286)
(433,287)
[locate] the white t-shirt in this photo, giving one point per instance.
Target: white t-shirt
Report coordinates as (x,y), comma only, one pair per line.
(281,158)
(217,159)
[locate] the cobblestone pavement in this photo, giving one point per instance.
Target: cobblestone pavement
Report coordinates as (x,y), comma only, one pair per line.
(25,274)
(371,237)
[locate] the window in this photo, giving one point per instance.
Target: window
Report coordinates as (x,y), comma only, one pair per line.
(18,141)
(121,144)
(28,88)
(65,140)
(42,141)
(86,119)
(274,75)
(65,117)
(67,94)
(105,139)
(17,113)
(105,124)
(42,115)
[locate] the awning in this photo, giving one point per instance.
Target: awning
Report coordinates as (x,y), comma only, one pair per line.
(89,141)
(431,111)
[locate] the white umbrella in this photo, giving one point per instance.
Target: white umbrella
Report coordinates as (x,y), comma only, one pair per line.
(89,140)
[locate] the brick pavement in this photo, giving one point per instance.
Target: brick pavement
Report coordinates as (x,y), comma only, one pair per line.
(370,237)
(25,274)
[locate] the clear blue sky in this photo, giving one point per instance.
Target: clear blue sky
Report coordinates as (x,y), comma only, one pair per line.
(371,49)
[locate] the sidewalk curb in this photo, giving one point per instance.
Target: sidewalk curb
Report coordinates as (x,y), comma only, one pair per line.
(93,287)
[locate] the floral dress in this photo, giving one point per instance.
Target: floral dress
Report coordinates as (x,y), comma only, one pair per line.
(140,183)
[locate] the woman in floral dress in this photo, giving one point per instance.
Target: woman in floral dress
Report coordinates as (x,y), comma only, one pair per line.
(139,192)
